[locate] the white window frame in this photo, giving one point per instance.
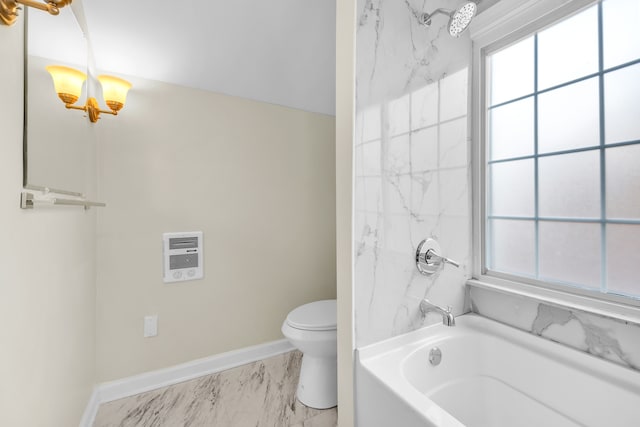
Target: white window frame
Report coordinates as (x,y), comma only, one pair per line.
(501,25)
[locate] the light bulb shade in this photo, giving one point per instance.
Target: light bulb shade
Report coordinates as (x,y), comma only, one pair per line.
(114,91)
(67,82)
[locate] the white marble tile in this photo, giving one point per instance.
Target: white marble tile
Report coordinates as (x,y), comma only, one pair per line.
(359,194)
(358,161)
(257,394)
(453,95)
(425,226)
(454,192)
(372,190)
(390,287)
(396,55)
(398,115)
(365,273)
(425,193)
(405,67)
(398,230)
(453,147)
(368,230)
(604,337)
(398,155)
(424,149)
(628,335)
(397,194)
(608,338)
(570,333)
(514,310)
(371,158)
(371,125)
(424,106)
(358,128)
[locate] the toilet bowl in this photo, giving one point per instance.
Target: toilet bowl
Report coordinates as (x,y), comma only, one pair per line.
(311,328)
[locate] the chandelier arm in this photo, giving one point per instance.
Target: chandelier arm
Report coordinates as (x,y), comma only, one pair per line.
(9,8)
(50,6)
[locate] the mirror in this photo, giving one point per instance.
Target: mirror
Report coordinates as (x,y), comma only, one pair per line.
(59,144)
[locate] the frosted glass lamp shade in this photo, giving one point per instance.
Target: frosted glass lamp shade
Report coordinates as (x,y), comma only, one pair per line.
(67,82)
(114,91)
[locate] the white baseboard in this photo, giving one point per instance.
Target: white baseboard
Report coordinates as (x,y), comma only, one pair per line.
(125,387)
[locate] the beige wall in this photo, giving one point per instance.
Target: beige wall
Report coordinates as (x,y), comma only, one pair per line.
(47,292)
(345,118)
(257,179)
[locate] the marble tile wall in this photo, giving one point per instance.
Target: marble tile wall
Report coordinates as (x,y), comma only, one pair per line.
(260,394)
(412,174)
(611,339)
(412,181)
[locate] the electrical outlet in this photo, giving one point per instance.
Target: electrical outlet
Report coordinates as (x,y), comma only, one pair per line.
(150,326)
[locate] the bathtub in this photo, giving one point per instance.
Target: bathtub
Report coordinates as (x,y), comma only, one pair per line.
(490,375)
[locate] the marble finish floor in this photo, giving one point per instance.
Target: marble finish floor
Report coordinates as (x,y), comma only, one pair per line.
(260,394)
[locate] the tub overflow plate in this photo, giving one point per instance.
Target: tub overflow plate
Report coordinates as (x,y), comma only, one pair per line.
(435,356)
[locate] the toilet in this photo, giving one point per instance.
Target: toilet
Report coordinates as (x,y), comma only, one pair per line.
(311,328)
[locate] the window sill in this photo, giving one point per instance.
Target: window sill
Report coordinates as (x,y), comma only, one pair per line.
(619,311)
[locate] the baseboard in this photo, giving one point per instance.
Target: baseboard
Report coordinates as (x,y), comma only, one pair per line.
(125,387)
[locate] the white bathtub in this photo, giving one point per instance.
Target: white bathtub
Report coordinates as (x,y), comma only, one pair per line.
(491,375)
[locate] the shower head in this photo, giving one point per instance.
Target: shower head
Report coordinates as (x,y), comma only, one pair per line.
(459,19)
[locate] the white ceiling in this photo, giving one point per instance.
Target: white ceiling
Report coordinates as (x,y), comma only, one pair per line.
(277,51)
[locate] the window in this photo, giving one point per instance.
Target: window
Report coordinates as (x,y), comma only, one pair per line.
(562,153)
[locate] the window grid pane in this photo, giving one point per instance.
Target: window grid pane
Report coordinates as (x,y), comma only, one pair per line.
(563,227)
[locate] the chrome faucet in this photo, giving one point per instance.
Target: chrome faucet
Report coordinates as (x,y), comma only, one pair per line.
(448,319)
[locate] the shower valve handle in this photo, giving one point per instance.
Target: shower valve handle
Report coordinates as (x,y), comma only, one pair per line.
(432,257)
(428,258)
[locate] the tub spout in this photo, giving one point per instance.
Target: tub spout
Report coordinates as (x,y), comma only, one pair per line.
(448,319)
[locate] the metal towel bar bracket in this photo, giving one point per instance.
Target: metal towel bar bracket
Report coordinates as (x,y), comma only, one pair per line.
(28,201)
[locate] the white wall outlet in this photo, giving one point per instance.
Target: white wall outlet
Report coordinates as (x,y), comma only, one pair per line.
(150,326)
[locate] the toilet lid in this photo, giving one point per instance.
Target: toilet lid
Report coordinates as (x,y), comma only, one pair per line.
(315,316)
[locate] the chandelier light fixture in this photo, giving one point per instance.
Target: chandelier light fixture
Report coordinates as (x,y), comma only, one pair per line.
(68,85)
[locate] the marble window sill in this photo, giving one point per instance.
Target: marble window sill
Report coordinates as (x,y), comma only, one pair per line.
(566,320)
(558,298)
